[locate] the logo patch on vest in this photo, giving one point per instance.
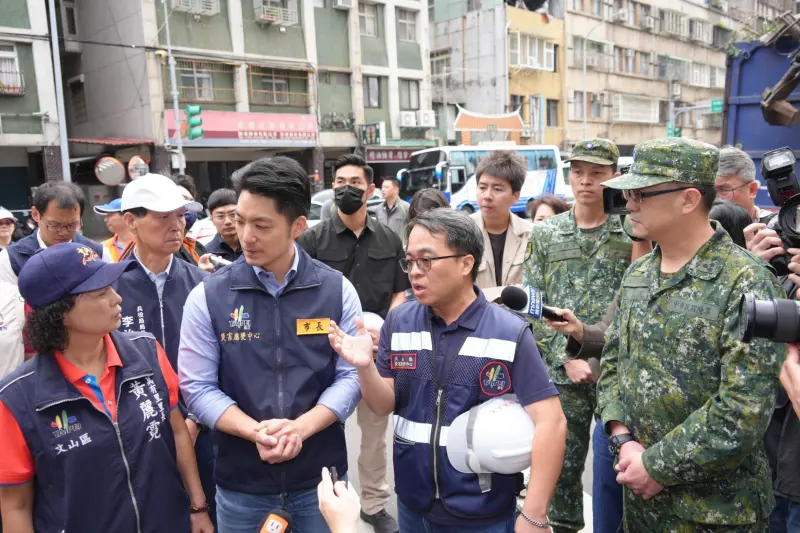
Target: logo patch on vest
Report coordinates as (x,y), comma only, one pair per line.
(240,319)
(403,361)
(495,379)
(313,326)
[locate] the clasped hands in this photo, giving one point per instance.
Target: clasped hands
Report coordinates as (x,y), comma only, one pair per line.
(278,440)
(632,473)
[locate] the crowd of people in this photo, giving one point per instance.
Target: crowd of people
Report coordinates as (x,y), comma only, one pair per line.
(149,387)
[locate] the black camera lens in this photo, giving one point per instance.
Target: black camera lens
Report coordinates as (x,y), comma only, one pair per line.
(775,320)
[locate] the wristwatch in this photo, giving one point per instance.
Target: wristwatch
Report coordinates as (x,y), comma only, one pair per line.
(615,442)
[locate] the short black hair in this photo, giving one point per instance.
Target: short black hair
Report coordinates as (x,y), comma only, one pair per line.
(44,326)
(138,212)
(355,161)
(506,165)
(708,194)
(733,217)
(425,200)
(187,182)
(461,233)
(394,180)
(221,197)
(66,195)
(281,178)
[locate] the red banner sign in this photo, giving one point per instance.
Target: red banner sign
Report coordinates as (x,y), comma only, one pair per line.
(232,128)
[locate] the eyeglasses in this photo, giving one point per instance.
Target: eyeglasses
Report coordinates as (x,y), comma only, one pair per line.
(723,191)
(423,263)
(62,228)
(6,222)
(638,196)
(219,217)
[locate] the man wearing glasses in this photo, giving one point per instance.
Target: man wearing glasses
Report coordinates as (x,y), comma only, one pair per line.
(736,181)
(57,210)
(439,357)
(225,244)
(687,402)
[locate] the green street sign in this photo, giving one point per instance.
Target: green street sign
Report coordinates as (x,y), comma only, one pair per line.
(670,129)
(716,105)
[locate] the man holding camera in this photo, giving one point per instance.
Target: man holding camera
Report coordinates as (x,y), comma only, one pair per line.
(687,402)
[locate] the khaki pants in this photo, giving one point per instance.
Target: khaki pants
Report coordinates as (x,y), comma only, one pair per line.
(372,459)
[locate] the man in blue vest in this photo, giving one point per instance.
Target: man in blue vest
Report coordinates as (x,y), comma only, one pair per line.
(255,362)
(155,291)
(57,209)
(440,356)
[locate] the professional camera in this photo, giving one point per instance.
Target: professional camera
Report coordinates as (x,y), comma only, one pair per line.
(775,320)
(777,168)
(614,204)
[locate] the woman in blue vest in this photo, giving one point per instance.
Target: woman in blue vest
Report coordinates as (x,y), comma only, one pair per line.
(91,440)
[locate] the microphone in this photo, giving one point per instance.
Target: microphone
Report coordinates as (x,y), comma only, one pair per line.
(217,262)
(277,521)
(527,301)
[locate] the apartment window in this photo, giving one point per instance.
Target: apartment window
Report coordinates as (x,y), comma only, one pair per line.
(532,52)
(619,54)
(516,102)
(339,79)
(513,46)
(721,36)
(473,5)
(593,102)
(674,69)
(276,89)
(440,62)
(644,14)
(644,63)
(552,113)
(631,12)
(406,25)
(368,19)
(717,78)
(700,30)
(597,8)
(69,19)
(431,12)
(77,97)
(596,109)
(630,60)
(598,55)
(701,75)
(674,23)
(629,108)
(11,80)
(577,5)
(577,105)
(409,95)
(196,82)
(372,91)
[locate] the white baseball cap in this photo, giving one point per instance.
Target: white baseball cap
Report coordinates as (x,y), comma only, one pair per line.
(6,214)
(155,192)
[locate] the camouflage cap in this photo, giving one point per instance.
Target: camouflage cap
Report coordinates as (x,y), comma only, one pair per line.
(669,159)
(598,151)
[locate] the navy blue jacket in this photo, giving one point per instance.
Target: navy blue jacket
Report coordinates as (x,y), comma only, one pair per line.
(22,250)
(219,247)
(94,475)
(271,372)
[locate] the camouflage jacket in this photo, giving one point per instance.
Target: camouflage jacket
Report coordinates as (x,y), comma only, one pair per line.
(675,372)
(574,272)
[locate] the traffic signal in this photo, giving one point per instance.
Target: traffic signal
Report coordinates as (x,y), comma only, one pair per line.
(193,122)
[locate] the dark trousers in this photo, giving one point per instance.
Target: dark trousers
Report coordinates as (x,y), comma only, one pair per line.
(606,492)
(785,518)
(204,451)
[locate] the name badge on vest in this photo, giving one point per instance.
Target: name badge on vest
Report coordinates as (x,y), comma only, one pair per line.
(403,361)
(495,379)
(313,326)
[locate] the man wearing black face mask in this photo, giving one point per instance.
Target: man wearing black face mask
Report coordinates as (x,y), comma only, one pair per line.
(368,254)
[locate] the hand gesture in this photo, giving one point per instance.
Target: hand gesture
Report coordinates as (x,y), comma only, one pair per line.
(763,242)
(338,504)
(355,350)
(633,474)
(568,325)
(579,372)
(278,441)
(205,263)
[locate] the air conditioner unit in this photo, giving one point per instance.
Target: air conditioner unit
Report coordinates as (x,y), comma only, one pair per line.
(650,23)
(591,61)
(408,119)
(426,118)
(342,4)
(676,90)
(280,16)
(526,132)
(701,124)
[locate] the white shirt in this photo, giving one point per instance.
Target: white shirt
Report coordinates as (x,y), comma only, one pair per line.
(12,318)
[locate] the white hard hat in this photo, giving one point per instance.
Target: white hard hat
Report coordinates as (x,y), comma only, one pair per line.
(372,321)
(493,437)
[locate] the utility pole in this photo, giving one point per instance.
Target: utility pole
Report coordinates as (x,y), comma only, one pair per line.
(62,115)
(174,88)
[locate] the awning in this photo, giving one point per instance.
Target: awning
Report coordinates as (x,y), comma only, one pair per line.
(113,141)
(472,121)
(230,129)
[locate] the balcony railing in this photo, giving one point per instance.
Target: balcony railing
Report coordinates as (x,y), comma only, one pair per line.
(280,98)
(282,16)
(197,7)
(12,83)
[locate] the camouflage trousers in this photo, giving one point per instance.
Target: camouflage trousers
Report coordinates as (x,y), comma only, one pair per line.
(640,516)
(566,507)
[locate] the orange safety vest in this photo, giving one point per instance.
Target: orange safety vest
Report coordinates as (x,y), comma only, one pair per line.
(111,246)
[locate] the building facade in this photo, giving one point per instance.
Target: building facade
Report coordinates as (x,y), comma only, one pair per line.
(288,77)
(29,138)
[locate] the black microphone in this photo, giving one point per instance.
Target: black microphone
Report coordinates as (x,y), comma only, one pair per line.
(277,521)
(527,301)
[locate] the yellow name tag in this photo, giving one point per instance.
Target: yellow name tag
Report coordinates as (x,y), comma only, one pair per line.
(313,326)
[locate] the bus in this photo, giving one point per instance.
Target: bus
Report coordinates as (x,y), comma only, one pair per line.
(451,169)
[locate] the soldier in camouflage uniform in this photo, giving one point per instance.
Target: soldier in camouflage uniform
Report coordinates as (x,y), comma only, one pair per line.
(577,260)
(675,377)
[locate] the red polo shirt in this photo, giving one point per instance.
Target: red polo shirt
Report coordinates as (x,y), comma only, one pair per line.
(16,463)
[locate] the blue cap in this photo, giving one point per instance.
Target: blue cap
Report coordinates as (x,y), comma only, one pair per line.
(64,269)
(114,206)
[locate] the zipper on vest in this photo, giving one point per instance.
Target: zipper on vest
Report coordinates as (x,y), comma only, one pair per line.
(163,330)
(436,430)
(279,358)
(128,475)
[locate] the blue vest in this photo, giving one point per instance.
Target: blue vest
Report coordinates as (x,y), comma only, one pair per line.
(19,252)
(425,409)
(272,372)
(92,475)
(143,310)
